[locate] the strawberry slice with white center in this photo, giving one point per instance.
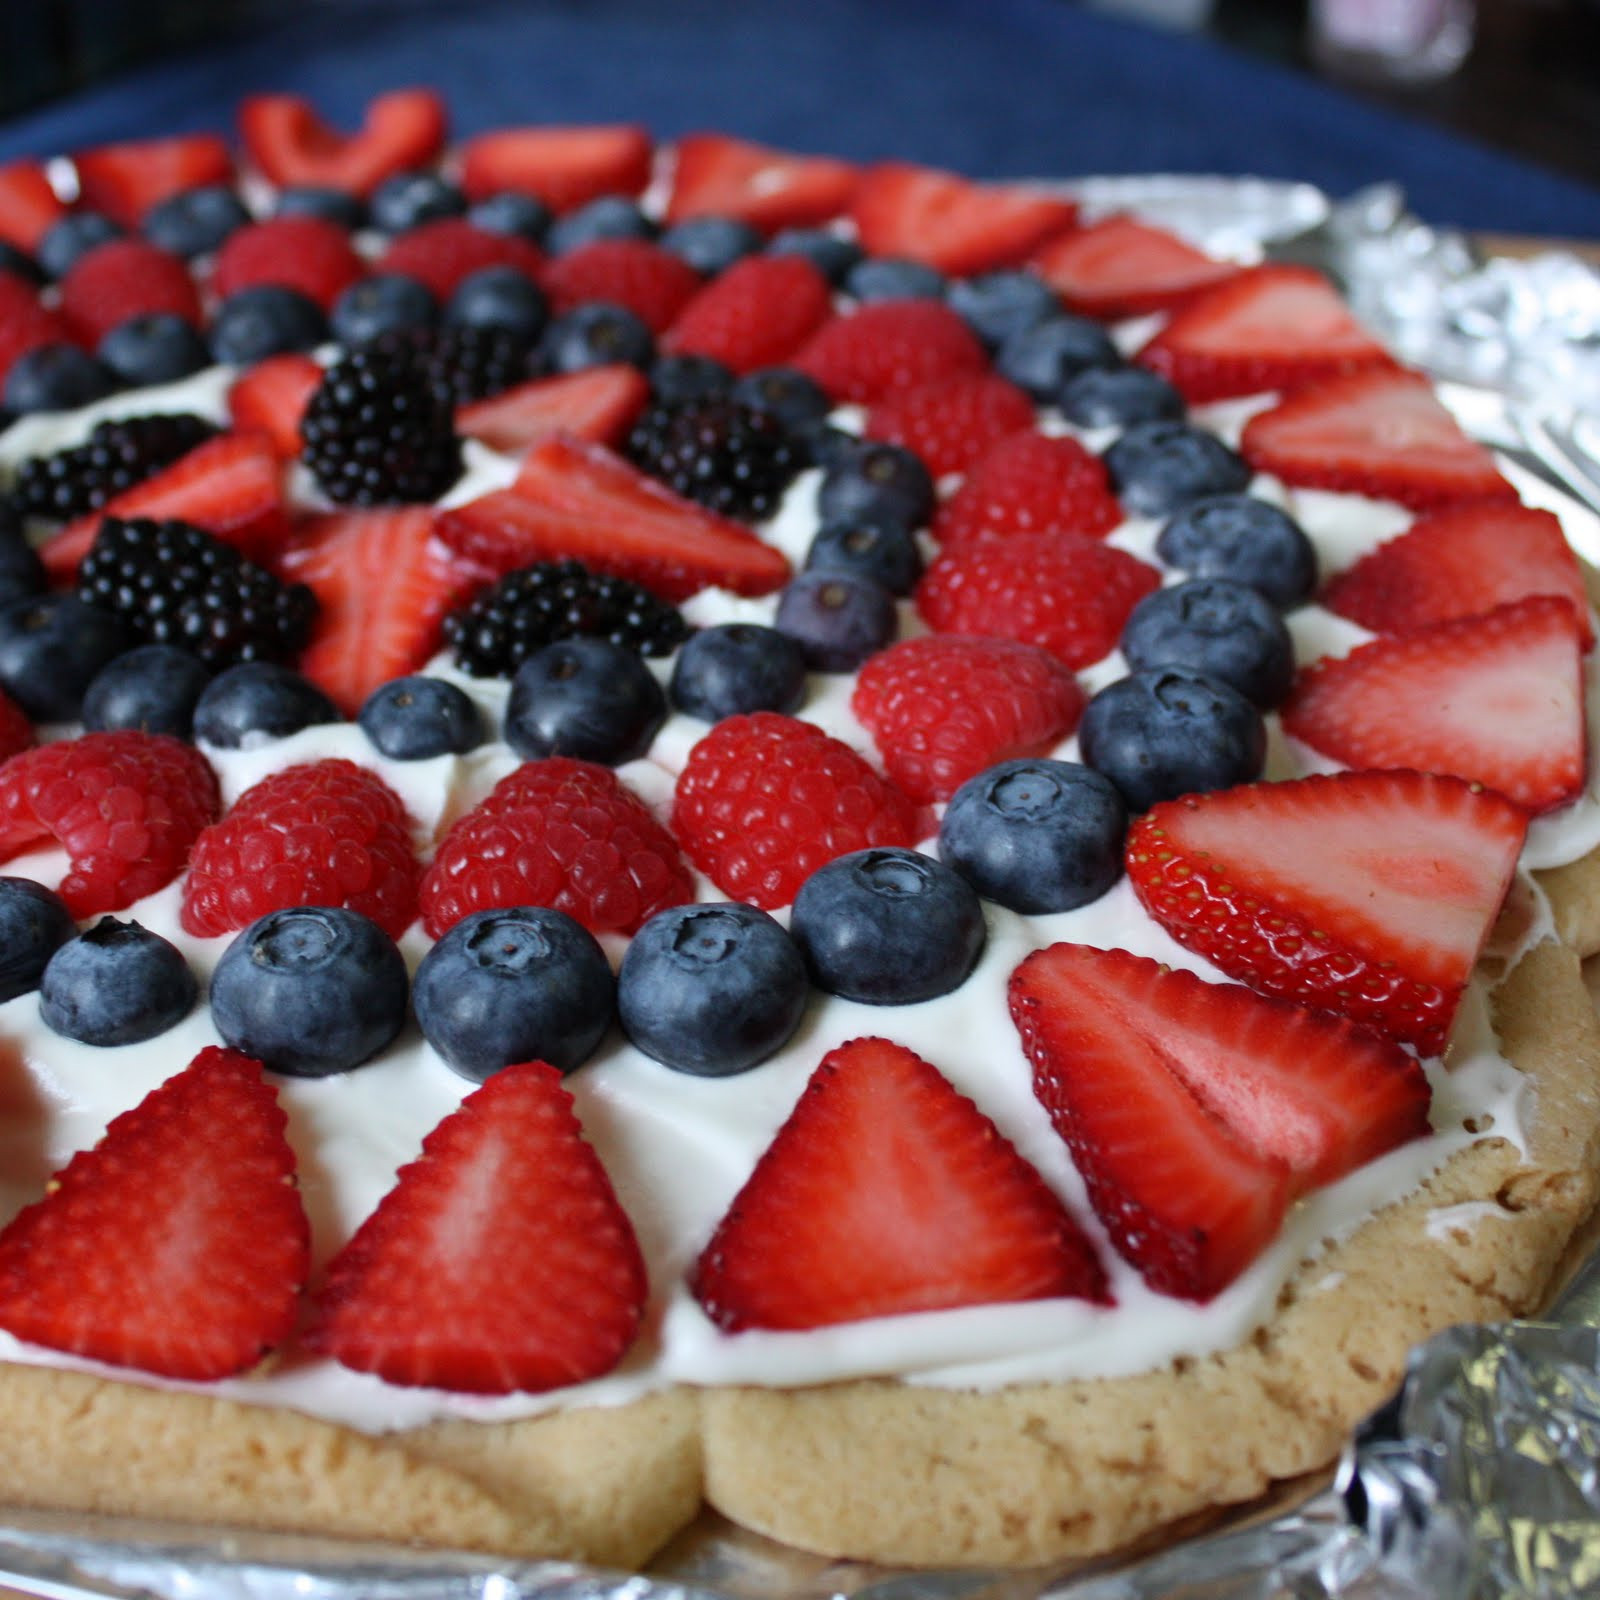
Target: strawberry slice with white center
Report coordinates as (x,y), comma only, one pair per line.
(1369,894)
(887,1192)
(383,585)
(563,166)
(1273,327)
(402,131)
(177,1245)
(1384,434)
(500,1262)
(715,176)
(1197,1112)
(29,207)
(598,403)
(272,397)
(1495,698)
(577,500)
(1126,268)
(126,180)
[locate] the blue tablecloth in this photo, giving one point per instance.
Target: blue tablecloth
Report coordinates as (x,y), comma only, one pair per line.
(989,87)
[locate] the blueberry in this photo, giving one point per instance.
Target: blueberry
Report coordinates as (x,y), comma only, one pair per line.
(21,571)
(19,264)
(1036,836)
(1222,629)
(1239,537)
(153,689)
(158,348)
(34,924)
(792,397)
(499,297)
(194,221)
(877,483)
(73,237)
(889,927)
(338,206)
(711,989)
(387,302)
(738,667)
(893,278)
(882,552)
(675,379)
(56,377)
(823,444)
(310,991)
(587,698)
(118,983)
(409,199)
(523,216)
(1115,397)
(51,647)
(834,256)
(1158,467)
(837,618)
(1042,359)
(595,335)
(267,320)
(1168,731)
(1001,305)
(711,244)
(522,984)
(612,216)
(412,719)
(255,701)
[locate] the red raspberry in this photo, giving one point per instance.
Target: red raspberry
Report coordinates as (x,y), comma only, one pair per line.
(305,253)
(443,252)
(944,708)
(652,283)
(125,278)
(765,800)
(1062,591)
(1030,484)
(757,314)
(126,807)
(953,422)
(25,322)
(559,833)
(889,345)
(327,833)
(16,732)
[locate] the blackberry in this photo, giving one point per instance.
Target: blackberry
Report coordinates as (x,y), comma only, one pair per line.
(534,606)
(469,363)
(731,457)
(175,584)
(379,430)
(117,455)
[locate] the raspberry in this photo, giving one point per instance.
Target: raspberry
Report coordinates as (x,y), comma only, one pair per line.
(1062,591)
(126,807)
(559,833)
(942,709)
(125,278)
(764,800)
(304,253)
(953,422)
(889,345)
(757,314)
(16,732)
(25,322)
(440,254)
(1030,484)
(652,283)
(328,833)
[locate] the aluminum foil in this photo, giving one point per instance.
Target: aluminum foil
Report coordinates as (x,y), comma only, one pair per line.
(1481,1478)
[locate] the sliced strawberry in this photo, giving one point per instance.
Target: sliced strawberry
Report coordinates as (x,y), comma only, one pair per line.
(1496,698)
(953,224)
(1030,483)
(1368,894)
(756,314)
(890,345)
(231,486)
(598,403)
(292,145)
(501,1261)
(178,1244)
(125,278)
(126,180)
(715,176)
(1273,327)
(574,499)
(29,208)
(564,167)
(886,1192)
(1197,1111)
(952,423)
(1382,434)
(1460,561)
(1123,267)
(309,254)
(272,397)
(383,585)
(441,253)
(652,283)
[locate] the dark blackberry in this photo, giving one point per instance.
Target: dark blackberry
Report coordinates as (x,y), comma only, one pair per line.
(117,455)
(379,430)
(730,457)
(470,363)
(173,583)
(535,606)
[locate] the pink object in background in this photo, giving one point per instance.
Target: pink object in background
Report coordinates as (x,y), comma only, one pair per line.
(1391,41)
